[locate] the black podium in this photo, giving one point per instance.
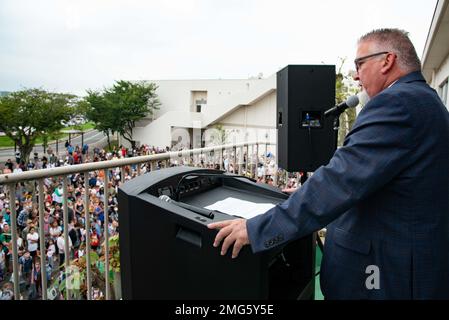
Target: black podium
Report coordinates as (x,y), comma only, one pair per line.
(166,250)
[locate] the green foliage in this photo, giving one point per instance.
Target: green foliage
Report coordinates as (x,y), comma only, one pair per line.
(114,253)
(30,114)
(93,258)
(342,92)
(222,134)
(113,146)
(97,110)
(97,270)
(117,109)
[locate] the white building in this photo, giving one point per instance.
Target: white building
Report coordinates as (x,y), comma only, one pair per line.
(435,58)
(192,109)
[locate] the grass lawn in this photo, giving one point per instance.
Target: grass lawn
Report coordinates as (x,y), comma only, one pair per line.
(7,142)
(84,127)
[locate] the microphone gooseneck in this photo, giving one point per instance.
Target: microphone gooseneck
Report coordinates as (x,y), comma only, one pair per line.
(201,211)
(351,102)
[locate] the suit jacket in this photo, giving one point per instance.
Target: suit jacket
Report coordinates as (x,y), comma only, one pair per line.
(384,197)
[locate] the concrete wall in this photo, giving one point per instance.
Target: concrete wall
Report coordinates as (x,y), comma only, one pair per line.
(232,103)
(158,133)
(254,122)
(177,94)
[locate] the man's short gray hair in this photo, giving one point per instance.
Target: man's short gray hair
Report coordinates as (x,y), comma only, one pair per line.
(397,41)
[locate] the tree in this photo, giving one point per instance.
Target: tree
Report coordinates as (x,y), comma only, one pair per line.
(32,113)
(131,101)
(342,91)
(118,109)
(97,110)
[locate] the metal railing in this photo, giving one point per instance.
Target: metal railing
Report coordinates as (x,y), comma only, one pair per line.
(186,157)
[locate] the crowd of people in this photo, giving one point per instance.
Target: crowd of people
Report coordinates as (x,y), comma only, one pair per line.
(26,205)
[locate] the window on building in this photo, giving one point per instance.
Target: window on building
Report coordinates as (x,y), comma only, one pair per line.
(443,92)
(200,103)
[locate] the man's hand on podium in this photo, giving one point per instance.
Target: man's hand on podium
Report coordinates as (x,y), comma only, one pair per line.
(233,232)
(289,190)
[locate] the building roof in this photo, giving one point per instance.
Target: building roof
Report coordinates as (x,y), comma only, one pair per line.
(437,44)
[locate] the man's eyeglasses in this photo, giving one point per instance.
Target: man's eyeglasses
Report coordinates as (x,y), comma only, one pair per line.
(358,61)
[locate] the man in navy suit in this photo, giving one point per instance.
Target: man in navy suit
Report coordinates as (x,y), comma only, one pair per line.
(384,196)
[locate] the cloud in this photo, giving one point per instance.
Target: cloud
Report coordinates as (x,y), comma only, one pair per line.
(72,21)
(72,46)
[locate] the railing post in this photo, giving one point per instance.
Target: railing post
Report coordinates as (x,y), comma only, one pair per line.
(252,162)
(222,159)
(106,234)
(240,161)
(257,160)
(15,255)
(211,160)
(42,239)
(257,153)
(249,161)
(122,176)
(234,159)
(87,223)
(66,234)
(246,162)
(195,158)
(33,195)
(265,163)
(138,169)
(275,176)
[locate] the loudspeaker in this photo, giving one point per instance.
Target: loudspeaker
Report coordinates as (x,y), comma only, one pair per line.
(306,139)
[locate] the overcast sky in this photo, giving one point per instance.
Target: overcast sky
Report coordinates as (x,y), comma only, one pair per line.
(74,45)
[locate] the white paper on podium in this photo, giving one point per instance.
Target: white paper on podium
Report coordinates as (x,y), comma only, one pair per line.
(241,208)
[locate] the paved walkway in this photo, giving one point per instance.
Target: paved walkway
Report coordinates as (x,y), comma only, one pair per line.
(92,137)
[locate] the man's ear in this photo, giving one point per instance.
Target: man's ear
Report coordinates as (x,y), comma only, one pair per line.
(388,63)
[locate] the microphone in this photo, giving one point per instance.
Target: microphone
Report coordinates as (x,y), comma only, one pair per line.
(201,211)
(351,102)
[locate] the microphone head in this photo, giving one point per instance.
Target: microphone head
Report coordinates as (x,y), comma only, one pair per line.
(165,198)
(352,101)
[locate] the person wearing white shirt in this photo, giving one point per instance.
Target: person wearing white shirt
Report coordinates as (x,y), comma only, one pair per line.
(2,222)
(2,262)
(32,239)
(20,246)
(55,231)
(61,247)
(50,252)
(17,169)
